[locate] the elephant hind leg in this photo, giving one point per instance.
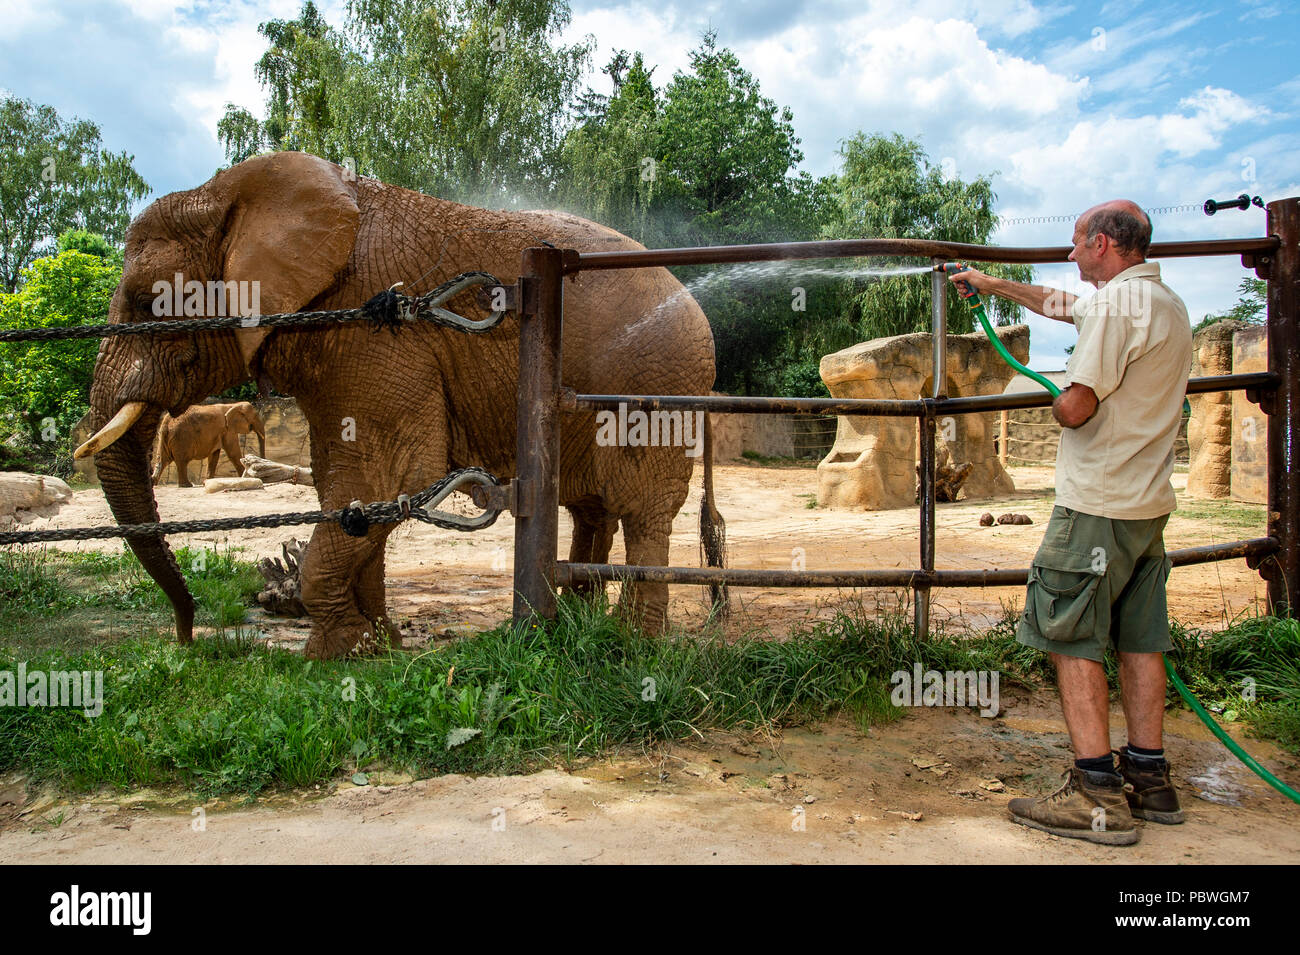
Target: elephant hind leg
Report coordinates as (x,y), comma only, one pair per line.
(593,536)
(214,459)
(646,604)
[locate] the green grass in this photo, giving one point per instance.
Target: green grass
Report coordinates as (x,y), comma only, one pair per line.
(780,462)
(52,598)
(1224,514)
(228,715)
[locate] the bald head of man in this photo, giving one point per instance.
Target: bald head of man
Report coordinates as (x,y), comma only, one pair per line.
(1110,238)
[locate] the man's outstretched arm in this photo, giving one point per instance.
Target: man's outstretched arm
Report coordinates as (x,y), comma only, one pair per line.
(1051,302)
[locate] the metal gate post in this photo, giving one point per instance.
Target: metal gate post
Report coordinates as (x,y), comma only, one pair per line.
(1283,570)
(537,451)
(926,429)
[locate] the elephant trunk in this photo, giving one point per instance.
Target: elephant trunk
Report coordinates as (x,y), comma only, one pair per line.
(261,440)
(123,469)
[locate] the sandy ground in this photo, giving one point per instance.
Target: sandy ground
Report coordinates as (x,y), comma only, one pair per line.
(931,787)
(440,580)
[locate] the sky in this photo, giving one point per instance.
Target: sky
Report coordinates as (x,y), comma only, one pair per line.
(1062,105)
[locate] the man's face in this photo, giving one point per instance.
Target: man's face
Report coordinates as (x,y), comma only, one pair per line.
(1085,254)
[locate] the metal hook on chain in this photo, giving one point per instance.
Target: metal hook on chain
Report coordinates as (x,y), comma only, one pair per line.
(429,302)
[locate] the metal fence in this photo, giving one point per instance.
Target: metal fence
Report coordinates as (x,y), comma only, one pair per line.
(543,399)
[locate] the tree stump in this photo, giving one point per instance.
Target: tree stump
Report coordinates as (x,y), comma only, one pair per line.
(283,593)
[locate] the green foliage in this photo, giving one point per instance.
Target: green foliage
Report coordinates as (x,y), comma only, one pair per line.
(464,99)
(45,386)
(57,177)
(887,188)
(1250,307)
(611,157)
(38,585)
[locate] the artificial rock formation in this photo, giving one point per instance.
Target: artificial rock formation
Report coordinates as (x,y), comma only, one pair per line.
(1250,424)
(1209,432)
(24,497)
(873,462)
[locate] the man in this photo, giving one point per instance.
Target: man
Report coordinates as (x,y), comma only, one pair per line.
(1099,576)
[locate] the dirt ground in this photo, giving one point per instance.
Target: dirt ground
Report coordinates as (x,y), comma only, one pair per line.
(441,580)
(931,787)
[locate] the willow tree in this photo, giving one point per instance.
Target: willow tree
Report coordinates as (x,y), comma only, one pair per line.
(887,188)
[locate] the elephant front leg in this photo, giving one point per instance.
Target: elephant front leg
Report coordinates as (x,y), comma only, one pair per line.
(330,574)
(593,535)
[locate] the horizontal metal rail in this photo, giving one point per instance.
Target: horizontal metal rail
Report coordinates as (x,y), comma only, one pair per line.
(568,574)
(882,407)
(918,248)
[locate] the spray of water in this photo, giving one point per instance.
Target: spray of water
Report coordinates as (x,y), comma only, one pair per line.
(753,273)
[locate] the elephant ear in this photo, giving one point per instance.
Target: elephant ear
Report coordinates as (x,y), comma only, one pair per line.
(291,228)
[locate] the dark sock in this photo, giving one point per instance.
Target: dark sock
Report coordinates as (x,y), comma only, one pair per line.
(1148,753)
(1098,764)
(1145,757)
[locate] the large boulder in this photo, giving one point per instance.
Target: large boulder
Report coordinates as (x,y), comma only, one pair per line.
(25,497)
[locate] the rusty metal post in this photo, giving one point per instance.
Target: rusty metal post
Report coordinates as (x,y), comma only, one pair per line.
(1283,570)
(926,429)
(537,452)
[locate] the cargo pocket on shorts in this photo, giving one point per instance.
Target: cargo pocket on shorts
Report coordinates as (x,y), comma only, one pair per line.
(1061,598)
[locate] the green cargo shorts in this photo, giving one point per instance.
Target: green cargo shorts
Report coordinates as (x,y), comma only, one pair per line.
(1097,581)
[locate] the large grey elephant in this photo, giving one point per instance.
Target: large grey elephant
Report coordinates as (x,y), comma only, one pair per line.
(390,413)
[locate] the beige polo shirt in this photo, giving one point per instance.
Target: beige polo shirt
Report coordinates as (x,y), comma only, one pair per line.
(1135,352)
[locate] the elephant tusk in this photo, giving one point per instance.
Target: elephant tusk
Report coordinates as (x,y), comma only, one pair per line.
(120,425)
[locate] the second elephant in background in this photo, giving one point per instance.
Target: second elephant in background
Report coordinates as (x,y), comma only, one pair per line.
(204,431)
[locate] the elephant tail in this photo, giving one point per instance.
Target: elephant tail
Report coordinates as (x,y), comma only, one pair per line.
(713,529)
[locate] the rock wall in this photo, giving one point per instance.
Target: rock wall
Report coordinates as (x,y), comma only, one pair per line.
(873,462)
(1249,423)
(1209,433)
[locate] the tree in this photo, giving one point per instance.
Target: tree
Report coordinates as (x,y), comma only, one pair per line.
(1250,306)
(611,157)
(728,159)
(887,188)
(57,177)
(465,99)
(45,386)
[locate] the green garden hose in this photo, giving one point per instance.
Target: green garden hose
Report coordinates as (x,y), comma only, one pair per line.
(977,307)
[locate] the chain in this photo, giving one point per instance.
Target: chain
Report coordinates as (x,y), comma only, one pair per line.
(389,309)
(355,519)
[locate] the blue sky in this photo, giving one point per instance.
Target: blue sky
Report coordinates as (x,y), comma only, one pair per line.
(1166,103)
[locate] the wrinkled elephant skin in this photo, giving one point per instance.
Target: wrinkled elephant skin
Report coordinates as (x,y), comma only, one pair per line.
(392,413)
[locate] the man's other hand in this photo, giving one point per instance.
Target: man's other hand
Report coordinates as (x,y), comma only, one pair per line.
(1074,406)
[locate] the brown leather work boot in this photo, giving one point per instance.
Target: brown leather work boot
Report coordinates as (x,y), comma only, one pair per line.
(1152,795)
(1088,806)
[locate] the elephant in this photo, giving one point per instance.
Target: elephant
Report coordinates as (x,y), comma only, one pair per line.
(391,413)
(203,432)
